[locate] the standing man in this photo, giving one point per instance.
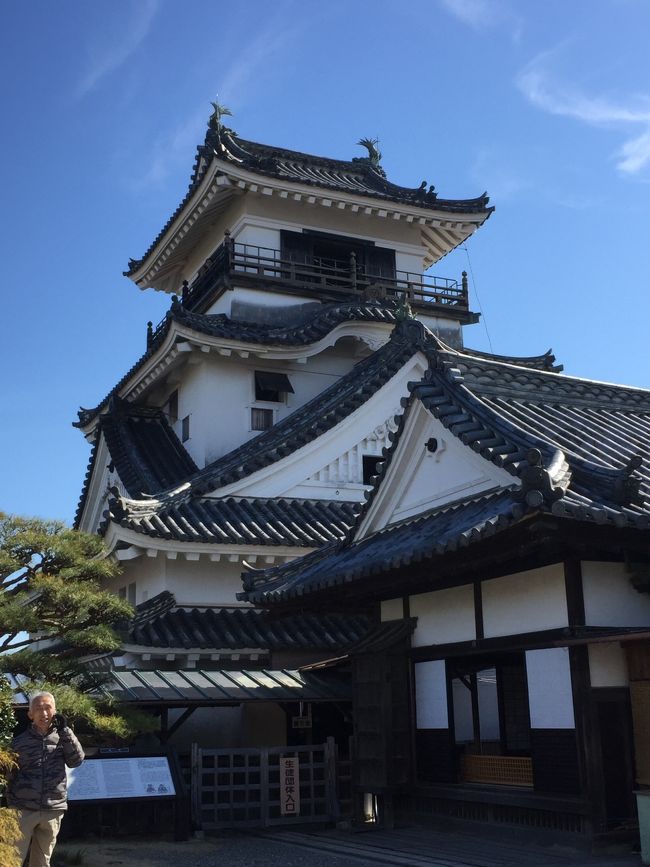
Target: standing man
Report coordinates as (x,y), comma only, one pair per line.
(38,789)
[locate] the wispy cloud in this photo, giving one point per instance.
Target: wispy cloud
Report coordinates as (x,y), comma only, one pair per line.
(264,54)
(631,114)
(261,58)
(484,14)
(475,13)
(497,171)
(109,58)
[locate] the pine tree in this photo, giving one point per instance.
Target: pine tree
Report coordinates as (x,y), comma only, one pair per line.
(9,831)
(54,615)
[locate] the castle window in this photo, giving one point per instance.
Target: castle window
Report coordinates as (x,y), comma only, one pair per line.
(271,386)
(185,429)
(261,419)
(370,463)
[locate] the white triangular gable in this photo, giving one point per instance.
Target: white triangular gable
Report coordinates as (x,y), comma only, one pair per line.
(421,478)
(329,466)
(103,477)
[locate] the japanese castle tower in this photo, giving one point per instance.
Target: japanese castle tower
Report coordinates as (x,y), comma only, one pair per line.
(229,440)
(306,464)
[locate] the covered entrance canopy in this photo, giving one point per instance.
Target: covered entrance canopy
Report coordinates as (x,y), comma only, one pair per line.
(190,689)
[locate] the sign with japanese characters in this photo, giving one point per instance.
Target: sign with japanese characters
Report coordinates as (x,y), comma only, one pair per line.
(133,777)
(289,787)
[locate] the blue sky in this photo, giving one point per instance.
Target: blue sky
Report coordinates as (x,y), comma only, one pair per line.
(544,105)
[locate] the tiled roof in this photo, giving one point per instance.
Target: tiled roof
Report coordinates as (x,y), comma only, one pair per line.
(599,427)
(147,454)
(399,545)
(575,448)
(144,449)
(546,361)
(202,687)
(358,176)
(300,329)
(164,625)
(308,422)
(235,521)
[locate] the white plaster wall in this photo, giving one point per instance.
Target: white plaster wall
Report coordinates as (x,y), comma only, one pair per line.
(287,476)
(259,236)
(193,582)
(550,694)
(148,573)
(412,263)
(608,665)
(525,602)
(224,303)
(610,598)
(444,616)
(202,582)
(280,213)
(206,388)
(392,609)
(431,695)
(418,479)
(435,478)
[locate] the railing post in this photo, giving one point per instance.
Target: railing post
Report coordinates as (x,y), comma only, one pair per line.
(353,270)
(227,249)
(463,283)
(149,334)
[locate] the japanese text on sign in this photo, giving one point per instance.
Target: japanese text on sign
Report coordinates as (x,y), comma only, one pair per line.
(289,787)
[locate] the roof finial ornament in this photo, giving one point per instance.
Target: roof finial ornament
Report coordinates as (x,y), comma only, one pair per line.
(404,310)
(219,112)
(374,155)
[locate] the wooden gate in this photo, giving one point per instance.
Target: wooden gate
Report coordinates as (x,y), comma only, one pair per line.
(237,788)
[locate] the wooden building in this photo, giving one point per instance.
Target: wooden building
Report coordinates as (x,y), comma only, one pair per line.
(468,533)
(250,427)
(504,547)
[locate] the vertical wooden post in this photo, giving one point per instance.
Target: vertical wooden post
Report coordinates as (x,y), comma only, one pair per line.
(265,795)
(330,755)
(465,287)
(195,786)
(353,270)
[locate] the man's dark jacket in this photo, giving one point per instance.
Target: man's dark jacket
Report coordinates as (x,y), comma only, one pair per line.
(40,781)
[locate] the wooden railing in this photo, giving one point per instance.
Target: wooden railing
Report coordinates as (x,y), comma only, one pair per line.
(333,278)
(233,259)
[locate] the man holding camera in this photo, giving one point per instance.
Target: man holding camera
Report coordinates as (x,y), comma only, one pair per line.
(38,789)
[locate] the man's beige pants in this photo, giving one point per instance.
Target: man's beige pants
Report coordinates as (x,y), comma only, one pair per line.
(40,827)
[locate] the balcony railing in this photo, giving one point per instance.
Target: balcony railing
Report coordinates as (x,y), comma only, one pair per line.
(233,262)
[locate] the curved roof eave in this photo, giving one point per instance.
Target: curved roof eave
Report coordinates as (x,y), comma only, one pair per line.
(224,174)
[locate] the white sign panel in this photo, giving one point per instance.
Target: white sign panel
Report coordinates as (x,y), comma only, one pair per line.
(289,787)
(101,779)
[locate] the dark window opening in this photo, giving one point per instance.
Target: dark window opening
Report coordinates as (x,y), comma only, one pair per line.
(370,464)
(261,419)
(490,704)
(185,429)
(271,386)
(331,254)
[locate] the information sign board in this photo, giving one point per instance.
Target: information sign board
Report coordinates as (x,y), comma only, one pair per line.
(99,779)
